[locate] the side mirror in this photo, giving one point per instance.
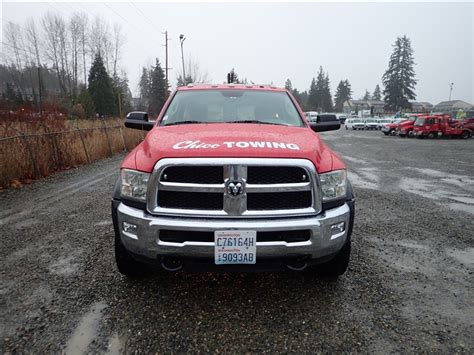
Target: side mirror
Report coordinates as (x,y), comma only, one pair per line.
(138,120)
(326,122)
(325,126)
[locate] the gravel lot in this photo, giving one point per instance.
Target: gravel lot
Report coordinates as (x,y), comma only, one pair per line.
(409,287)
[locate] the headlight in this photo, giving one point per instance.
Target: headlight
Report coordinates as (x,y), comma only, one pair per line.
(333,185)
(134,184)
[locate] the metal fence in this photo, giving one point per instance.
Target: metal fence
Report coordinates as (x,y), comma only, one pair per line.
(30,150)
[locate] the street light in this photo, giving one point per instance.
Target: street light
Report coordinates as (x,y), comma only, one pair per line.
(181,39)
(450,90)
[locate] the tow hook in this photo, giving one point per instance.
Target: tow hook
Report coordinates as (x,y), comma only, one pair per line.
(171,264)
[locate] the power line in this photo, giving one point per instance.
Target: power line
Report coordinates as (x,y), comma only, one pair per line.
(124,19)
(146,18)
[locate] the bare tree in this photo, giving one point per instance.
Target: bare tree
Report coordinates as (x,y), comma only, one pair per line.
(33,40)
(119,40)
(75,30)
(52,47)
(84,41)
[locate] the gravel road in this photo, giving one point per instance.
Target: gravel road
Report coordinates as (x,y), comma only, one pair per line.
(409,287)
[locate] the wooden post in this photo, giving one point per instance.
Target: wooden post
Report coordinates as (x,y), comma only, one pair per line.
(83,145)
(108,139)
(123,139)
(32,158)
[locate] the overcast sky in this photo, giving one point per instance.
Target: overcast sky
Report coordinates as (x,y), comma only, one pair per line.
(270,42)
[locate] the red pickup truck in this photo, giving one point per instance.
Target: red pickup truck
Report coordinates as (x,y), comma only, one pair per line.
(232,177)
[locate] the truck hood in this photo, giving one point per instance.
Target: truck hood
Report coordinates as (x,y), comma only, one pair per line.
(231,140)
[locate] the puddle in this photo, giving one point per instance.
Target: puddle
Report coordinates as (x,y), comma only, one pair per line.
(85,331)
(355,160)
(465,256)
(414,245)
(64,266)
(462,207)
(103,223)
(360,181)
(115,346)
(453,179)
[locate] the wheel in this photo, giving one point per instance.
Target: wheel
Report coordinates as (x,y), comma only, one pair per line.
(346,128)
(386,133)
(125,263)
(431,135)
(353,128)
(337,266)
(411,134)
(465,135)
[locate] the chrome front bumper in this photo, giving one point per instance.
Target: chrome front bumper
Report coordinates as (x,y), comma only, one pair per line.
(145,242)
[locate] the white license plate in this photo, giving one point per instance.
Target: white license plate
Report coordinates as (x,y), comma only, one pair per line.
(235,247)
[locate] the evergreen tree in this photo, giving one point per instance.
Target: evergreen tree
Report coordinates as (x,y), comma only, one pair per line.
(377,95)
(181,82)
(100,88)
(314,101)
(144,86)
(122,94)
(86,102)
(366,96)
(343,94)
(158,89)
(288,85)
(399,79)
(234,78)
(326,95)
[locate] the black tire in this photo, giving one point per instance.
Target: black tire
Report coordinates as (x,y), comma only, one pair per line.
(431,135)
(411,134)
(465,135)
(346,128)
(337,266)
(126,265)
(386,133)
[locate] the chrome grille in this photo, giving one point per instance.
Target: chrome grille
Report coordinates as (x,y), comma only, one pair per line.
(204,187)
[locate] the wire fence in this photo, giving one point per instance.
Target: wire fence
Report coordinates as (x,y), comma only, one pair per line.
(36,148)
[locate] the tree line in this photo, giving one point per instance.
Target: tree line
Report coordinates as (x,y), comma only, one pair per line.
(399,82)
(53,60)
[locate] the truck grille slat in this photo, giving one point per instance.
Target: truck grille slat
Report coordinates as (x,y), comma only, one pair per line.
(234,187)
(280,201)
(180,236)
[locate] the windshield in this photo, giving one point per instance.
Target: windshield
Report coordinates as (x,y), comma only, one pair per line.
(232,106)
(419,121)
(371,121)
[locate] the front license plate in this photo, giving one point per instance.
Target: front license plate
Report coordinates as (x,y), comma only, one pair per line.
(235,247)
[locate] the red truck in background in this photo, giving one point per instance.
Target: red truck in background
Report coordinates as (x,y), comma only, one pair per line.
(405,128)
(440,126)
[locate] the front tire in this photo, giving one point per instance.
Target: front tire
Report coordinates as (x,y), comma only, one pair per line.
(465,135)
(337,266)
(410,134)
(126,265)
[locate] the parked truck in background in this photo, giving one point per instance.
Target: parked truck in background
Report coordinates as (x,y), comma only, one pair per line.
(232,177)
(440,126)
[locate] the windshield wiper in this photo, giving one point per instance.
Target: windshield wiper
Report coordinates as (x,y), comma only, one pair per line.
(256,121)
(183,122)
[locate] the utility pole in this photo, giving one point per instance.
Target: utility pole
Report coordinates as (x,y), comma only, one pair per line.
(40,93)
(450,90)
(181,39)
(166,56)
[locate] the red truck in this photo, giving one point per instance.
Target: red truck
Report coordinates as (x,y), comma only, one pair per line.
(232,177)
(440,126)
(405,128)
(390,129)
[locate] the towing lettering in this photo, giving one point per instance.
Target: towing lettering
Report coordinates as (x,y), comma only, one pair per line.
(240,144)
